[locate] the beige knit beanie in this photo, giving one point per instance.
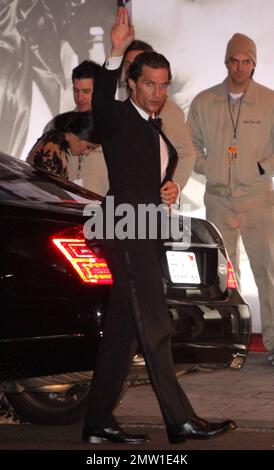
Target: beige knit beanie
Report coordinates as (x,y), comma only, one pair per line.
(241,44)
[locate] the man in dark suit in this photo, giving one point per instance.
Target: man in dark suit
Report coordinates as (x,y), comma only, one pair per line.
(140,162)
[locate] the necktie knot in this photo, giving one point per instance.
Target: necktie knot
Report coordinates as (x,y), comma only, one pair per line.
(156,122)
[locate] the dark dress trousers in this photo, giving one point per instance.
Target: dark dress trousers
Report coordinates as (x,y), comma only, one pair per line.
(138,311)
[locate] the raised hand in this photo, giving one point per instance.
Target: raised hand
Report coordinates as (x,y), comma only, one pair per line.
(122,32)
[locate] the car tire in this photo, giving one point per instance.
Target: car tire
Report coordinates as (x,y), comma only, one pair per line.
(51,408)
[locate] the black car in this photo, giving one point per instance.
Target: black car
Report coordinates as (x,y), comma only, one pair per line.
(54,292)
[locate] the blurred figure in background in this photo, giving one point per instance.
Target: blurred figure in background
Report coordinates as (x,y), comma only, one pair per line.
(29,52)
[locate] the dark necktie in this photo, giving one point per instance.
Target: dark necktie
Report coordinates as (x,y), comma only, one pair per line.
(157,122)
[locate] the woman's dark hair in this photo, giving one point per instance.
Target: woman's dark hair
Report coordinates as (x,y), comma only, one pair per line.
(79,123)
(151,59)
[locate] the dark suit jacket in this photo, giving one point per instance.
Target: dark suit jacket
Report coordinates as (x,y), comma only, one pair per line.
(130,148)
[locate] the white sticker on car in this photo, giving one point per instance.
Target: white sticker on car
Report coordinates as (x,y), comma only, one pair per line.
(182,267)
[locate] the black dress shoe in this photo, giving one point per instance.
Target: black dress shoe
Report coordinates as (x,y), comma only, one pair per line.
(199,428)
(98,435)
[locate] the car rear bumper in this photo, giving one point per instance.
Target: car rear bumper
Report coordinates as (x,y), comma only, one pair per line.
(216,333)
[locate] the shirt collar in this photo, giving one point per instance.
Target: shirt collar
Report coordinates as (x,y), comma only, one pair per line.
(142,113)
(248,96)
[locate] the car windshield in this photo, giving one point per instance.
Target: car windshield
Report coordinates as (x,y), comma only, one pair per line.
(19,181)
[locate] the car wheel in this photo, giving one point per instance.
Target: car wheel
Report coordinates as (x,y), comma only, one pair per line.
(65,407)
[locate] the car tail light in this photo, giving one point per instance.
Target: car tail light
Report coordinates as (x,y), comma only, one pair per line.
(89,266)
(231,282)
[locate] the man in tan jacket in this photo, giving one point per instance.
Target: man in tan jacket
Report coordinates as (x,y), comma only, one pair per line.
(232,128)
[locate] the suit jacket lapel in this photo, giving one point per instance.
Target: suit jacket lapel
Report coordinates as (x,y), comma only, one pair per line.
(156,141)
(172,153)
(173,159)
(155,137)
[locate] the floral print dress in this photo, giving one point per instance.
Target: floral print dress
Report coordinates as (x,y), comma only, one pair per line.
(50,153)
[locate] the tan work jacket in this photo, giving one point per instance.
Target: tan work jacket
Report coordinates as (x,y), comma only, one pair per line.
(212,132)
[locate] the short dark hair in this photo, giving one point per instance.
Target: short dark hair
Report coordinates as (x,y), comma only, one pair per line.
(151,59)
(86,69)
(79,123)
(138,45)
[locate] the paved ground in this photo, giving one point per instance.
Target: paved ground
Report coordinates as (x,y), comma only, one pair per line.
(245,395)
